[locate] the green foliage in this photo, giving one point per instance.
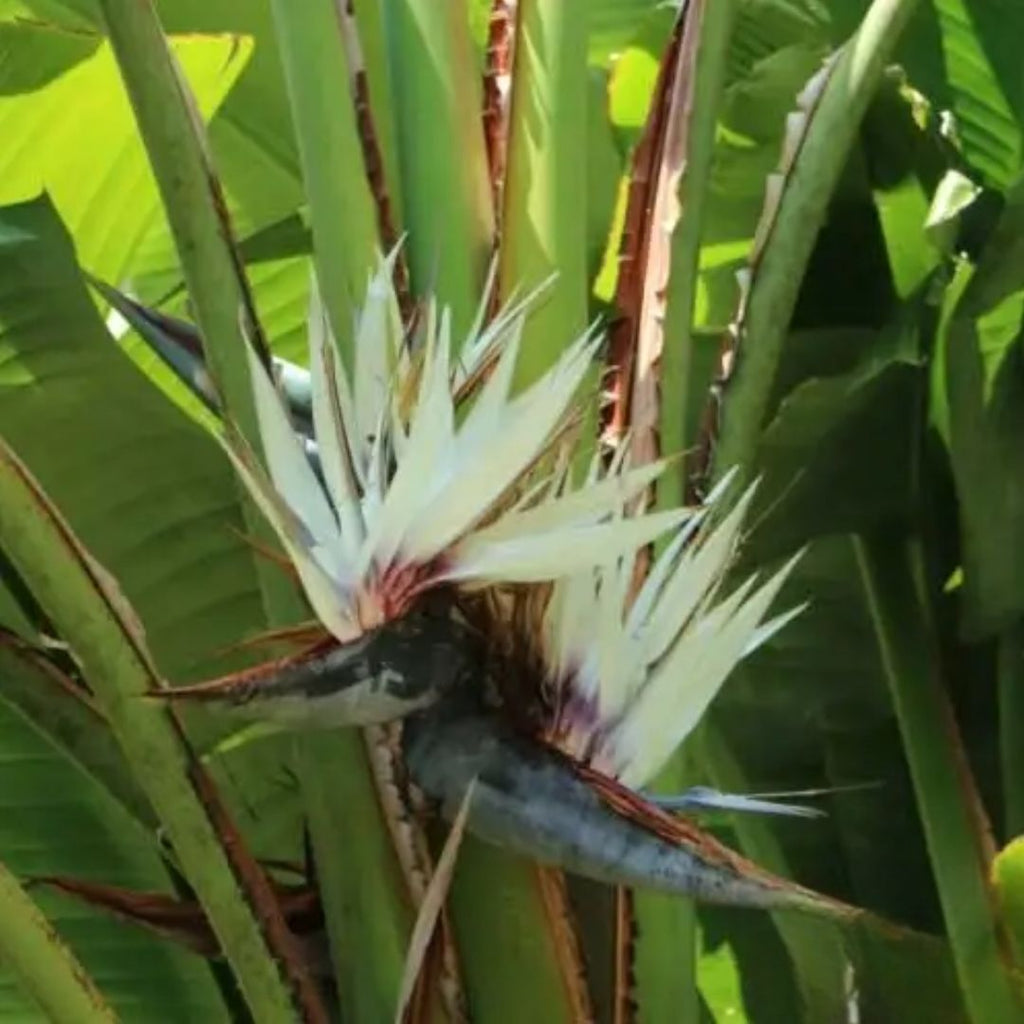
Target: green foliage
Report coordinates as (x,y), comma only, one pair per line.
(877,392)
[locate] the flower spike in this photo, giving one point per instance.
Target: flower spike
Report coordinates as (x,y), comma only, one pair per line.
(471,587)
(413,500)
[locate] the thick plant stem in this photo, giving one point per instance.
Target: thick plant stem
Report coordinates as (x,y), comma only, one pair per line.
(677,364)
(45,967)
(445,195)
(168,123)
(319,79)
(807,190)
(177,148)
(91,615)
(543,222)
(956,830)
(666,947)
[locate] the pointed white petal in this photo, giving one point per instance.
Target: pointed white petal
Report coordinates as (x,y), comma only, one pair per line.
(765,632)
(559,553)
(485,466)
(423,460)
(373,344)
(330,421)
(677,695)
(289,468)
(480,345)
(694,580)
(487,408)
(615,676)
(590,504)
(328,596)
(471,348)
(650,592)
(376,475)
(653,724)
(703,798)
(569,622)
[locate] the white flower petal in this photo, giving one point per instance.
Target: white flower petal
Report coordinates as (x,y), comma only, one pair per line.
(485,466)
(589,504)
(694,580)
(677,695)
(430,437)
(289,468)
(374,348)
(561,552)
(327,594)
(331,417)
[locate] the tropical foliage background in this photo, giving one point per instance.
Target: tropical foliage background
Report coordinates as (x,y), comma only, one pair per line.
(867,363)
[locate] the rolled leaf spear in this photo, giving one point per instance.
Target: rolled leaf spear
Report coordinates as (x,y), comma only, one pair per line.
(466,585)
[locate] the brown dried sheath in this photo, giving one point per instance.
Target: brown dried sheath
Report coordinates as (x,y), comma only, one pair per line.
(185,921)
(636,248)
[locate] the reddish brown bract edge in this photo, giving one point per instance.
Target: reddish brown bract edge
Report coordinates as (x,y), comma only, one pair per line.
(244,680)
(623,336)
(562,929)
(253,881)
(182,921)
(373,160)
(686,835)
(498,61)
(627,409)
(624,1005)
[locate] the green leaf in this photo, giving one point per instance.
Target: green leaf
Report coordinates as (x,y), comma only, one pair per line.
(811,710)
(814,947)
(344,227)
(76,137)
(984,73)
(60,709)
(984,386)
(35,55)
(45,800)
(543,220)
(611,25)
(1008,878)
(46,968)
(1000,268)
(148,492)
(954,195)
(99,457)
(251,135)
(824,135)
(442,165)
(1010,680)
(838,455)
(87,607)
(953,819)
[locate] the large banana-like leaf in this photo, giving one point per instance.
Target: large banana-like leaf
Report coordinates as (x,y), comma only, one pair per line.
(75,137)
(252,134)
(60,822)
(143,486)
